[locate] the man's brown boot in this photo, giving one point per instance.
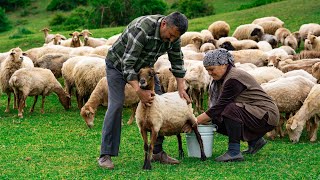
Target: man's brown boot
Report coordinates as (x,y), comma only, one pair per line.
(105,162)
(163,158)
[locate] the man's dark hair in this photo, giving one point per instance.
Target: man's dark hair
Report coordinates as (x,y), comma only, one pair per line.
(179,20)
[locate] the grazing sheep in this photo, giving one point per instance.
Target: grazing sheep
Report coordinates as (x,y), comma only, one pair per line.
(219,29)
(271,39)
(113,39)
(52,61)
(207,47)
(192,38)
(254,56)
(248,31)
(34,82)
(264,46)
(87,73)
(12,63)
(239,45)
(310,107)
(304,64)
(316,71)
(265,74)
(288,49)
(281,34)
(270,27)
(207,36)
(288,94)
(269,18)
(311,28)
(306,55)
(315,42)
(47,37)
(291,41)
(224,39)
(169,114)
(298,37)
(99,96)
(90,41)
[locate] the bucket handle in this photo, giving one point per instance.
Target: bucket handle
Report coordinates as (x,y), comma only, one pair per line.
(215,127)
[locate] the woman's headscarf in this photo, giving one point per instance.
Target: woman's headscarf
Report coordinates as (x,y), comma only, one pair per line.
(218,57)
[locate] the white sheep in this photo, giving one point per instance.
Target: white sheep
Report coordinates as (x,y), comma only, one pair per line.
(101,50)
(35,53)
(264,46)
(74,41)
(207,47)
(316,71)
(90,41)
(300,72)
(12,63)
(288,49)
(224,39)
(248,31)
(192,38)
(52,61)
(270,27)
(311,28)
(254,56)
(192,55)
(281,34)
(113,39)
(169,114)
(279,52)
(288,94)
(99,96)
(219,29)
(268,18)
(87,73)
(207,36)
(271,39)
(291,41)
(57,40)
(265,74)
(245,66)
(314,41)
(310,107)
(47,37)
(34,82)
(239,45)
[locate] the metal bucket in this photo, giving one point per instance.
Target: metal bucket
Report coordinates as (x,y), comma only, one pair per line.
(206,132)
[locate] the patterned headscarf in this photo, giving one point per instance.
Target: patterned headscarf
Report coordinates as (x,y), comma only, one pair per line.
(218,57)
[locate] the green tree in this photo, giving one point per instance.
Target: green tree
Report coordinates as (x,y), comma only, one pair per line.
(193,9)
(4,21)
(65,5)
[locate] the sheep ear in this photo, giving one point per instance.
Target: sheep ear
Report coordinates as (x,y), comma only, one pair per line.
(293,126)
(24,54)
(70,34)
(91,110)
(90,33)
(80,35)
(255,32)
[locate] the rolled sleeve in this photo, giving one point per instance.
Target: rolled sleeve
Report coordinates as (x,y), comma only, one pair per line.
(176,59)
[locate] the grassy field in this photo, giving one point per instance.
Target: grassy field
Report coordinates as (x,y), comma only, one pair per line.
(58,145)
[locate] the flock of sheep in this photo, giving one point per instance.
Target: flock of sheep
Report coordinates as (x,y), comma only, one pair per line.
(264,48)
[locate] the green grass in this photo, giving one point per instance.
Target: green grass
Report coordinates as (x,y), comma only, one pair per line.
(58,145)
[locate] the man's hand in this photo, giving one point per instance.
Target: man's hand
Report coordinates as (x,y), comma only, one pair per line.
(183,94)
(181,89)
(146,96)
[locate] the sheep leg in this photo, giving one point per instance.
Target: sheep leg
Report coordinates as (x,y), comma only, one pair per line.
(181,153)
(133,111)
(21,105)
(15,103)
(198,136)
(314,129)
(8,104)
(153,139)
(42,104)
(201,100)
(35,99)
(80,101)
(147,164)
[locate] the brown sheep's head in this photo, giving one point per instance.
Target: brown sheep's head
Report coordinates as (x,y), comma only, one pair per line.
(146,78)
(294,129)
(75,36)
(88,114)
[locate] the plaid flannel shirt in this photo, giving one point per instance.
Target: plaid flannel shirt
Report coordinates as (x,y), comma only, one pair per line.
(140,46)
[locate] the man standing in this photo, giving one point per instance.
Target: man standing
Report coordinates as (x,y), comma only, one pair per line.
(141,43)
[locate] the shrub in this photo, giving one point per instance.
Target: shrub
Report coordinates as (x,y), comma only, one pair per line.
(58,19)
(4,21)
(256,3)
(12,5)
(65,5)
(20,33)
(193,9)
